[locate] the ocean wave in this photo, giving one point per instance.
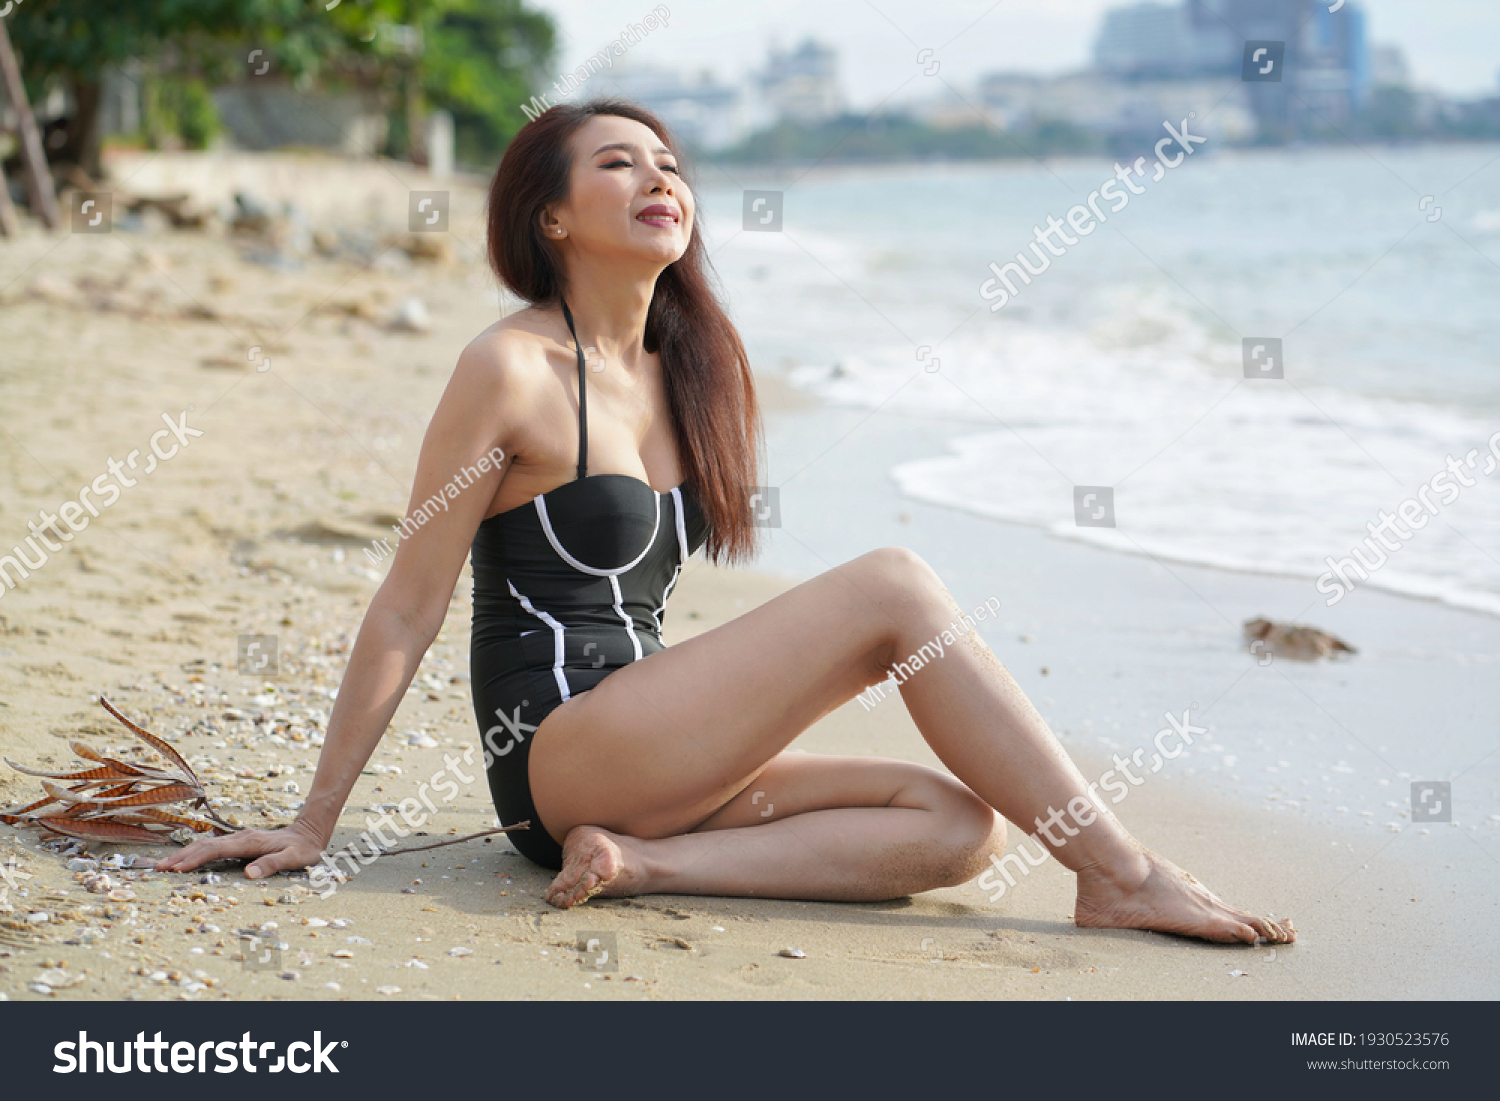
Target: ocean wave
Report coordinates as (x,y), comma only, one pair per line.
(1207,466)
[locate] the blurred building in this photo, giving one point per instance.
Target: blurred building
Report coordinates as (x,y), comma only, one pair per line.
(1160,40)
(1127,110)
(1328,68)
(1331,73)
(120,99)
(802,85)
(271,114)
(1388,68)
(702,111)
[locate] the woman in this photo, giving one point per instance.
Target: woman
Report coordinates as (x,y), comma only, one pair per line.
(650,770)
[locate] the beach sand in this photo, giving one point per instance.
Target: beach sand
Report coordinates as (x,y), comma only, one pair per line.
(258,527)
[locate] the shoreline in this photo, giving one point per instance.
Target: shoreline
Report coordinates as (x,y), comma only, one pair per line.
(939,429)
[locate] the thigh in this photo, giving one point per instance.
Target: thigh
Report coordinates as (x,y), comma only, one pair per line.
(660,745)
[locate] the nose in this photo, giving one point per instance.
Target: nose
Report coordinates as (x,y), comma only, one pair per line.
(663,181)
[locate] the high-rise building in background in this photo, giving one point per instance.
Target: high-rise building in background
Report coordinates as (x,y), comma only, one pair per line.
(1156,40)
(803,85)
(703,112)
(1327,74)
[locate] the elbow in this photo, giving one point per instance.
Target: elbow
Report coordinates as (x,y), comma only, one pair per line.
(415,619)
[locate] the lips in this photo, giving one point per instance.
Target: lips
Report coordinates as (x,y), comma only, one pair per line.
(659,215)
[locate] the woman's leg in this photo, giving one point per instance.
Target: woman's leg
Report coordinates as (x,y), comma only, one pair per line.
(663,745)
(815,827)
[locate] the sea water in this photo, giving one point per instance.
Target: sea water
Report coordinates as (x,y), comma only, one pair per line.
(1122,364)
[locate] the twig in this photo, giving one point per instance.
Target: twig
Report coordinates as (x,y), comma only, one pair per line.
(526,825)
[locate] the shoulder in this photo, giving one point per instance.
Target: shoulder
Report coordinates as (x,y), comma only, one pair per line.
(508,359)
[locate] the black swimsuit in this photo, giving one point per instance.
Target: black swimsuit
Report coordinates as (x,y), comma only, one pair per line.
(567,589)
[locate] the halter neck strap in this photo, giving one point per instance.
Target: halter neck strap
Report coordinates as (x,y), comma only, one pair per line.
(583,407)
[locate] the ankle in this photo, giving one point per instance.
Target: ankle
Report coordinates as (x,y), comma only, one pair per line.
(641,871)
(1119,873)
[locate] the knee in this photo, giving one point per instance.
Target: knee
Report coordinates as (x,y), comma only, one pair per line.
(897,577)
(971,832)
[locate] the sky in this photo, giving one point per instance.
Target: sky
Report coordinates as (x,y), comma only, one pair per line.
(1451,45)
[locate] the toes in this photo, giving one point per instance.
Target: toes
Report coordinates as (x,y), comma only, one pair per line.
(1245,933)
(1265,928)
(1281,936)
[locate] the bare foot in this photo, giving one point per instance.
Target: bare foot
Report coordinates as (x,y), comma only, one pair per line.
(1168,900)
(595,862)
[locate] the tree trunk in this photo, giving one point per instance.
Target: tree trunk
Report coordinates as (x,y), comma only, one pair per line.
(39,189)
(10,225)
(83,139)
(416,133)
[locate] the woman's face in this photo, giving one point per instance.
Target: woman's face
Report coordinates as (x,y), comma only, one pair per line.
(625,198)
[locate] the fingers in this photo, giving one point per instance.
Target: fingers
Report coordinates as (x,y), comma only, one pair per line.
(275,862)
(242,843)
(185,860)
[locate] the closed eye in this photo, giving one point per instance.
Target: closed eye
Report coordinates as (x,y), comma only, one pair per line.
(666,167)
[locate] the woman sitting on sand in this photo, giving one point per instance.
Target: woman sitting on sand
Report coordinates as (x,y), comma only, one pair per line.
(643,769)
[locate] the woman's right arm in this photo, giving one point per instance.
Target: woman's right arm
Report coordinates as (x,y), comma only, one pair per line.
(407,611)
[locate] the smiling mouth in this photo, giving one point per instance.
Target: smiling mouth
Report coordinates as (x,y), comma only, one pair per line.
(657,219)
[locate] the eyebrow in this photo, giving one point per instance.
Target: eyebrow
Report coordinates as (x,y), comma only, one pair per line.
(629,148)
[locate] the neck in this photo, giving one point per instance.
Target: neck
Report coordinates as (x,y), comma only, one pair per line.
(610,313)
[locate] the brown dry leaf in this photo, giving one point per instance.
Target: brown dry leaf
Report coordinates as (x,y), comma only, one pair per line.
(126,809)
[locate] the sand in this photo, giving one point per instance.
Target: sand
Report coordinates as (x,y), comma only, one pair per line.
(258,527)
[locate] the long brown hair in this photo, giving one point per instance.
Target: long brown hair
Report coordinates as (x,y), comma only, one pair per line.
(710,388)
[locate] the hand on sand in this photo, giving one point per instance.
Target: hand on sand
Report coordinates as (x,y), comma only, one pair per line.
(293,846)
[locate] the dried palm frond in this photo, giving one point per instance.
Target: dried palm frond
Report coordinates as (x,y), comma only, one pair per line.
(117,802)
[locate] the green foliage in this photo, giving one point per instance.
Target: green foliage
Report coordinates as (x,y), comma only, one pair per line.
(482,57)
(79,38)
(479,58)
(179,106)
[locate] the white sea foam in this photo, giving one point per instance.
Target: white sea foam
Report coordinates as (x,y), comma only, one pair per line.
(1120,366)
(1207,466)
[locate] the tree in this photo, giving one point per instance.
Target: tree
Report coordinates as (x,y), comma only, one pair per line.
(478,56)
(484,58)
